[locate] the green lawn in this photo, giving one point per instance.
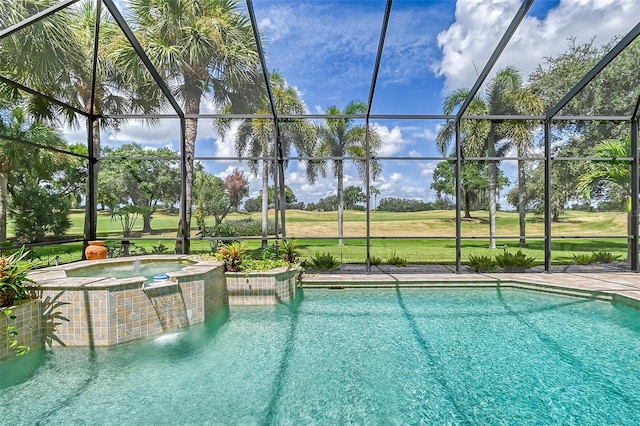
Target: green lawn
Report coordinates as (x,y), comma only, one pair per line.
(392,229)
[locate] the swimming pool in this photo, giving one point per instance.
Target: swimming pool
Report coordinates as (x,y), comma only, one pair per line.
(405,356)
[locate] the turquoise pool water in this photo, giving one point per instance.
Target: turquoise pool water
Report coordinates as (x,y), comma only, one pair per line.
(145,268)
(476,356)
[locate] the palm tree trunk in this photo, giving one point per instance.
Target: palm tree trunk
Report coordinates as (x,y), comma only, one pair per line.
(4,183)
(265,202)
(522,202)
(339,172)
(467,205)
(192,106)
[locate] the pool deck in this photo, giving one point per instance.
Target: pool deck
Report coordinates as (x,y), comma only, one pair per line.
(622,287)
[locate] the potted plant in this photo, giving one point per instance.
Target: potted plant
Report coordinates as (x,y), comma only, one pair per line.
(232,255)
(289,249)
(14,283)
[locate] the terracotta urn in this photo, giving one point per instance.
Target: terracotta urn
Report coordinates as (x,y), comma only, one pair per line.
(96,250)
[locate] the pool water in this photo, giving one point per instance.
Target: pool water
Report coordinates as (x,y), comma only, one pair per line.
(408,356)
(147,269)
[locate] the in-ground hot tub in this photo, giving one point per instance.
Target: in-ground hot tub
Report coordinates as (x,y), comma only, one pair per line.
(101,303)
(124,268)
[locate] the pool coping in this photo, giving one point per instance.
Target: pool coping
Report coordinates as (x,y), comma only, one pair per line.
(621,287)
(55,277)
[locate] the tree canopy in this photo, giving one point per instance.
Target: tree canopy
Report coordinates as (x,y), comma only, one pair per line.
(144,183)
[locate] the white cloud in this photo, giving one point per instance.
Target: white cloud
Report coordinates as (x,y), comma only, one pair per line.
(276,25)
(430,134)
(224,144)
(385,187)
(392,140)
(295,178)
(396,177)
(426,169)
(230,169)
(350,180)
(308,193)
(469,41)
(163,134)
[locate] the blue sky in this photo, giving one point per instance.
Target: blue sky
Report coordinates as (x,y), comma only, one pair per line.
(327,51)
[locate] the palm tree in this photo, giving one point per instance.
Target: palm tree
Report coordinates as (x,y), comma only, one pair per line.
(342,138)
(14,154)
(519,135)
(375,192)
(616,174)
(41,55)
(505,95)
(199,47)
(473,136)
(59,63)
(256,137)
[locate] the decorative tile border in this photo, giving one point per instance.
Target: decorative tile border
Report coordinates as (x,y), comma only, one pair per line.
(106,311)
(261,288)
(98,311)
(27,325)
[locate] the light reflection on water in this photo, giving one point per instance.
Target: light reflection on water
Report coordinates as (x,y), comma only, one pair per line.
(409,356)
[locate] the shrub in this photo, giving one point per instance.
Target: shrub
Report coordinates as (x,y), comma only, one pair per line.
(14,283)
(397,260)
(583,259)
(38,214)
(324,261)
(263,264)
(160,248)
(250,227)
(289,249)
(602,256)
(482,263)
(232,255)
(126,249)
(510,262)
(236,259)
(221,231)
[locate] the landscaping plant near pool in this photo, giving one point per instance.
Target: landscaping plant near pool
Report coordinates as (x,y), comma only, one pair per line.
(236,258)
(14,284)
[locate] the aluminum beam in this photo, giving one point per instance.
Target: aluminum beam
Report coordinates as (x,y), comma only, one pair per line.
(94,63)
(547,196)
(124,27)
(634,238)
(35,18)
(372,90)
(279,152)
(42,95)
(513,26)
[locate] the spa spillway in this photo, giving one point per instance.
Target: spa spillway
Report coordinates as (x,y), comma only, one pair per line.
(111,301)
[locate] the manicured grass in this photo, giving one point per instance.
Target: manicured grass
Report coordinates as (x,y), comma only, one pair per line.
(390,227)
(443,252)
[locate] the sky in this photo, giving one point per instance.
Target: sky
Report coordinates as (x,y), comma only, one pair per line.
(327,51)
